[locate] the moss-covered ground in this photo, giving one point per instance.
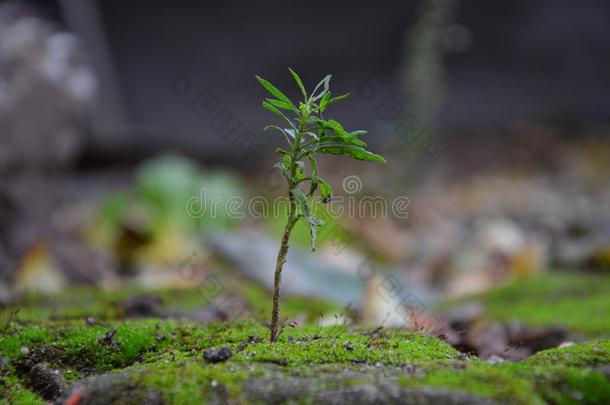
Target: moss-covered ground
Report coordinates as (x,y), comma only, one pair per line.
(161,360)
(576,301)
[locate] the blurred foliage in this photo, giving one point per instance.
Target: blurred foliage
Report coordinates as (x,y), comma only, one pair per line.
(154,212)
(577,301)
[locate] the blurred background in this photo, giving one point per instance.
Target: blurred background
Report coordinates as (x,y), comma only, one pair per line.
(493,116)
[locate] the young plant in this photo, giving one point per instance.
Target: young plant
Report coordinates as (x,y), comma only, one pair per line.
(308,133)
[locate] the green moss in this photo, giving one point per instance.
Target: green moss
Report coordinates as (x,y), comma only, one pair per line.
(13,392)
(577,301)
(192,380)
(71,343)
(74,343)
(564,385)
(300,349)
(588,354)
(166,354)
(518,383)
(498,383)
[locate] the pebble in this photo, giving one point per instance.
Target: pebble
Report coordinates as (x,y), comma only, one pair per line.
(217,355)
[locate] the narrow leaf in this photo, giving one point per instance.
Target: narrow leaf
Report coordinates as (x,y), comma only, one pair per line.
(314,175)
(355,152)
(313,222)
(338,128)
(280,104)
(338,98)
(326,192)
(284,165)
(338,139)
(324,102)
(299,82)
(277,112)
(324,82)
(299,195)
(274,90)
(300,171)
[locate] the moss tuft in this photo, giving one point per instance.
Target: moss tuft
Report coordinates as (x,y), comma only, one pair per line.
(588,354)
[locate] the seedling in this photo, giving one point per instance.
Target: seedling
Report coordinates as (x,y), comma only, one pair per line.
(308,133)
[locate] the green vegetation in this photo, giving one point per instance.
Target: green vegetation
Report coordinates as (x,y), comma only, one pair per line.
(577,301)
(164,358)
(519,383)
(307,135)
(72,344)
(588,354)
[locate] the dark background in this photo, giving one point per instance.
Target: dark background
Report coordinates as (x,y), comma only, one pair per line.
(539,61)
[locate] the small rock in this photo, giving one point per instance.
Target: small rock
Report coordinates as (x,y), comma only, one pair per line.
(108,337)
(25,351)
(495,359)
(90,321)
(49,383)
(217,355)
(160,336)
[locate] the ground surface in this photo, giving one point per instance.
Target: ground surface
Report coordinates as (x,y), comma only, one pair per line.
(162,348)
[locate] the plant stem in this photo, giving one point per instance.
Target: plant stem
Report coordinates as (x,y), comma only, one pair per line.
(279,265)
(281,255)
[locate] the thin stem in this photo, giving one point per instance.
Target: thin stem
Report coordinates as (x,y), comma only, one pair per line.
(279,266)
(292,220)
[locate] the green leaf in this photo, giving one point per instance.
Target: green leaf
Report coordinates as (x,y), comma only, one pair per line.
(334,126)
(354,151)
(274,90)
(280,104)
(338,139)
(281,151)
(301,199)
(300,171)
(338,128)
(277,112)
(358,133)
(299,82)
(305,110)
(326,192)
(314,175)
(313,222)
(324,82)
(338,98)
(291,132)
(284,165)
(324,102)
(273,109)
